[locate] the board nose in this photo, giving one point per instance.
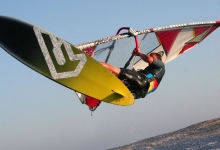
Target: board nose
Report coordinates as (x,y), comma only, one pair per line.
(13,33)
(18,39)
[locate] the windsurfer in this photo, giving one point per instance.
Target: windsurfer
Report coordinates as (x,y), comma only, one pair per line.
(144,81)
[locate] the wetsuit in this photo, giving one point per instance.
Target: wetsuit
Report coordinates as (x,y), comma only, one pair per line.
(142,82)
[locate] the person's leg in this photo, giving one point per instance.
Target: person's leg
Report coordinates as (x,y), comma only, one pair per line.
(113,69)
(136,79)
(136,82)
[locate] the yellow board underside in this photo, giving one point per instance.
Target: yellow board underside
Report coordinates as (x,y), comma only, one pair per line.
(96,81)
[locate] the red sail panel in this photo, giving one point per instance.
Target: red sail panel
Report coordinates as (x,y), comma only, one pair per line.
(89,50)
(200,30)
(92,102)
(211,30)
(187,46)
(167,38)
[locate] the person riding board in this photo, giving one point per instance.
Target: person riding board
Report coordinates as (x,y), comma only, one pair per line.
(141,82)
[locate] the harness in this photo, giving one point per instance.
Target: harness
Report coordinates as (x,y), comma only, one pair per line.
(153,82)
(140,83)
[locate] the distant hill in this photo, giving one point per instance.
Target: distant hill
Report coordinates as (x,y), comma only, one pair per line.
(204,135)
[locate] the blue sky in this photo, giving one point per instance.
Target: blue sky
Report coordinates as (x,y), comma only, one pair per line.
(36,113)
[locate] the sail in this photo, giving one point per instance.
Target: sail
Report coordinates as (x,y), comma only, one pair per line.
(173,40)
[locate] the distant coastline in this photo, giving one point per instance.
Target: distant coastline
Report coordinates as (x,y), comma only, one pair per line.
(204,135)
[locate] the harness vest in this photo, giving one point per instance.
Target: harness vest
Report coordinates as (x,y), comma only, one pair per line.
(153,83)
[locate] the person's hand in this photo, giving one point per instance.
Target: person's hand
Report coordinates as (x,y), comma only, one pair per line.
(136,52)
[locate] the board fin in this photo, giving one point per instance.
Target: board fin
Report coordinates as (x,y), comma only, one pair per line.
(119,93)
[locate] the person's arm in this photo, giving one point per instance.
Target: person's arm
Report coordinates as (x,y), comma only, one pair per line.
(144,57)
